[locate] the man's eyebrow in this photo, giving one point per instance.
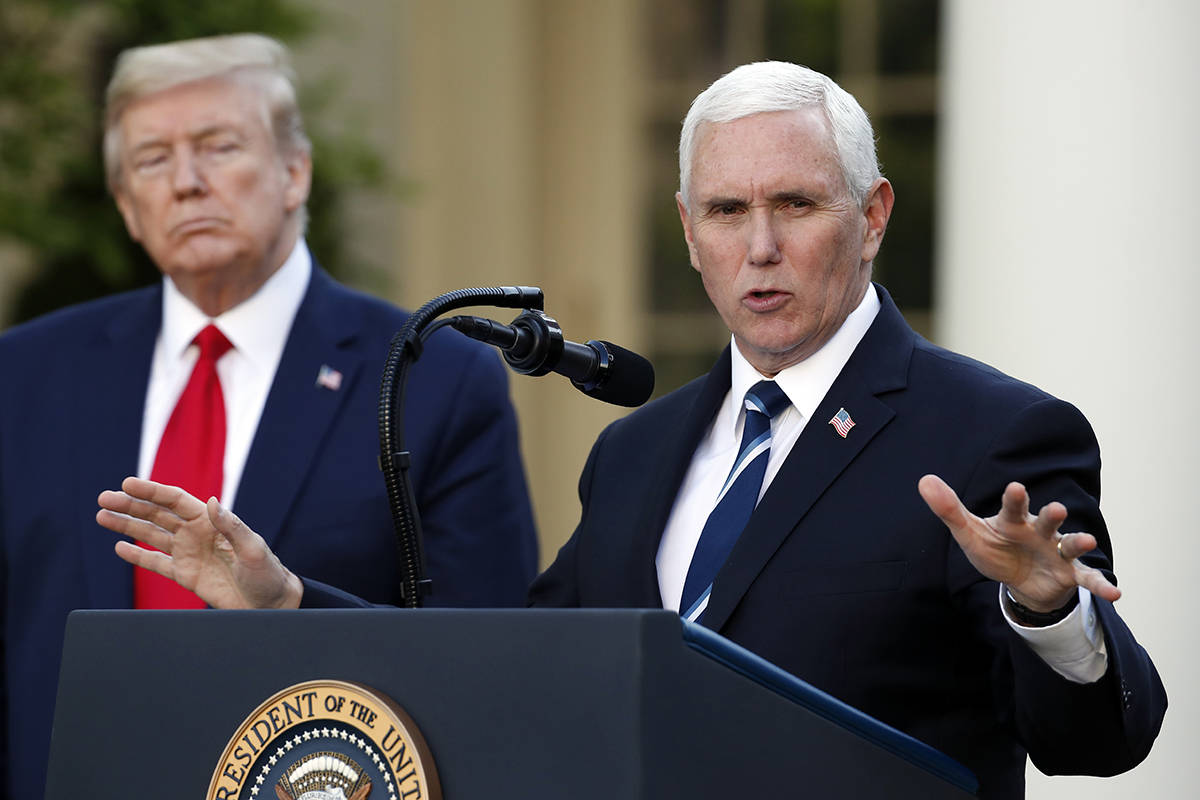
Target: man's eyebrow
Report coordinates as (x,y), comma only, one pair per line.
(720,200)
(782,196)
(155,140)
(214,129)
(148,144)
(789,195)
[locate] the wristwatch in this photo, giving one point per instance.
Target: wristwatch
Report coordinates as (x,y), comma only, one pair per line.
(1039,619)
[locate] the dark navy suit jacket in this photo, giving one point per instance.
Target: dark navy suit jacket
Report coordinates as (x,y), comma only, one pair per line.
(71,398)
(844,577)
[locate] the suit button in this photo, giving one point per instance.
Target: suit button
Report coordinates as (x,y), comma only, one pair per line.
(1126,695)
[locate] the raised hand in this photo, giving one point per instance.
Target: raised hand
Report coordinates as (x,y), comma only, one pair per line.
(1039,565)
(204,547)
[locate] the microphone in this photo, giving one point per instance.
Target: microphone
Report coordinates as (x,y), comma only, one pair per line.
(534,345)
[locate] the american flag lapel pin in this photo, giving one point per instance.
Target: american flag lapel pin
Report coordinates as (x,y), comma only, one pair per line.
(329,378)
(841,422)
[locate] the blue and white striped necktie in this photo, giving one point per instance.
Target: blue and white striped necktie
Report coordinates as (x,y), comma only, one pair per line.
(737,498)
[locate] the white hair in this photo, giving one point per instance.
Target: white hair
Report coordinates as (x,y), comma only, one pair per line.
(257,59)
(779,86)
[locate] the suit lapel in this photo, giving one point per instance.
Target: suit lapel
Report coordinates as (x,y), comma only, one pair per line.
(879,364)
(109,396)
(299,411)
(675,458)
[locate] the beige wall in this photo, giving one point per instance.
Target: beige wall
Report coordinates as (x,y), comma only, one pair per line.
(514,125)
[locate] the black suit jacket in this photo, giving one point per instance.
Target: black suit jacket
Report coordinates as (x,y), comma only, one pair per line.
(70,427)
(844,577)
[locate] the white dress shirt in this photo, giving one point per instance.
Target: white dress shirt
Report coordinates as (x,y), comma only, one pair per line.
(1074,647)
(258,329)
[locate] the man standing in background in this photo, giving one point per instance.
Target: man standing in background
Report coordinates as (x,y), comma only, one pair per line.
(247,374)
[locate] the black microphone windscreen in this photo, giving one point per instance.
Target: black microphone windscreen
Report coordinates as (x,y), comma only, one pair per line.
(630,381)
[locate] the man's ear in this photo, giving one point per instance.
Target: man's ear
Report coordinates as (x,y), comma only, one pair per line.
(687,231)
(125,206)
(877,212)
(299,179)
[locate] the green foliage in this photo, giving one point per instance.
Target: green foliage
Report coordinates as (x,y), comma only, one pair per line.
(55,59)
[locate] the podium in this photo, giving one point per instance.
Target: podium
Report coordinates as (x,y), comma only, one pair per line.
(528,704)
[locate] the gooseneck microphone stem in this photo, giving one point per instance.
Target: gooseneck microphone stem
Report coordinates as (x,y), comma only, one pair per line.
(394,460)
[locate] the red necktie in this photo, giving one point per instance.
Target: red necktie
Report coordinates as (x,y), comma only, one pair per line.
(191,455)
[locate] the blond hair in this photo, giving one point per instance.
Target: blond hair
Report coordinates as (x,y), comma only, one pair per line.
(259,60)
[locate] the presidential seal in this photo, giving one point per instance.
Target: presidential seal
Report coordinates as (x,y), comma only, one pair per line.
(326,740)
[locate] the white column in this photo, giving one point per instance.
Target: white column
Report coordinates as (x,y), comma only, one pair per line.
(1067,213)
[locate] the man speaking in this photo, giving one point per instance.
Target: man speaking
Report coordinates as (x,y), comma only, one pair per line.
(784,500)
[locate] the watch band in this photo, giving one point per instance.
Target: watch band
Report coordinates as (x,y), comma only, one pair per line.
(1039,619)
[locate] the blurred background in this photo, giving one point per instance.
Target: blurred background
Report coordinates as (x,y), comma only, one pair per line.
(1043,153)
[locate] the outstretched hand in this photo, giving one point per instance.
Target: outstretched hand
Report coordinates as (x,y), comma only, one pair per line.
(204,547)
(1039,565)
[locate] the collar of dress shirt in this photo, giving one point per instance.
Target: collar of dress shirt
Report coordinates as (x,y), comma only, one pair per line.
(257,327)
(806,383)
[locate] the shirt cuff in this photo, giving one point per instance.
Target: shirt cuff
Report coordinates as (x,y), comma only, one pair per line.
(1073,647)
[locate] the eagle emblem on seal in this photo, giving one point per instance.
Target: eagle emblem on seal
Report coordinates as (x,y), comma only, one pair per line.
(324,776)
